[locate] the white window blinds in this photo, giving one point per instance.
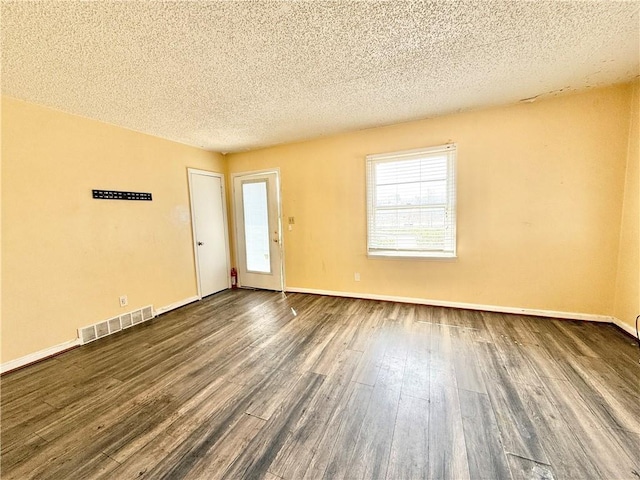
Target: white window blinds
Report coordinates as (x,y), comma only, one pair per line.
(411,199)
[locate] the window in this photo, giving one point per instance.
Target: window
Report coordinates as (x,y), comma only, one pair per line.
(411,198)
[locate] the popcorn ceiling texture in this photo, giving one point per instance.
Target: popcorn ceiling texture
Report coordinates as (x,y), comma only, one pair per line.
(230,76)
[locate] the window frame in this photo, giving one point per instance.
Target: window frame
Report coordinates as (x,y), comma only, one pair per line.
(450,249)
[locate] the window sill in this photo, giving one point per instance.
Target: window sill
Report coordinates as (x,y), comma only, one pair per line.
(413,255)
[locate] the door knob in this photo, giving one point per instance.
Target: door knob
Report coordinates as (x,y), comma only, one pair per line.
(200,243)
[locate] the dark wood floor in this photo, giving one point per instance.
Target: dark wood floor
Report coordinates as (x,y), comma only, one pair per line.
(237,386)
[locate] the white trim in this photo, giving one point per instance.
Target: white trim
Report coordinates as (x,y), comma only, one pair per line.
(416,152)
(193,224)
(468,306)
(630,329)
(48,352)
(178,304)
(36,356)
(412,255)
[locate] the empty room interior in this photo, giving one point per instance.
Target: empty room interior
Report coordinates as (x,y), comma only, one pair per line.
(306,240)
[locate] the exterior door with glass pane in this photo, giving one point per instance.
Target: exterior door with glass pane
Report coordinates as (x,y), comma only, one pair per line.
(258,235)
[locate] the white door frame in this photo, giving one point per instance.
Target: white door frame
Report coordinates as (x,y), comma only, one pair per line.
(193,224)
(275,170)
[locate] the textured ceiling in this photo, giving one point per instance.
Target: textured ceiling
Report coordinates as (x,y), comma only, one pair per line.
(231,76)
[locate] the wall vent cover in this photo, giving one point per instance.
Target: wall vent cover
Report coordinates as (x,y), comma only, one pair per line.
(147,313)
(107,327)
(114,325)
(102,329)
(125,320)
(87,334)
(136,316)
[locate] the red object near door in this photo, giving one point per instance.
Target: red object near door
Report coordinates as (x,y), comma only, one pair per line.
(234,278)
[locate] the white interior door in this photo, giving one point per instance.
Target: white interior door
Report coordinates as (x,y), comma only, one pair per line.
(258,234)
(208,211)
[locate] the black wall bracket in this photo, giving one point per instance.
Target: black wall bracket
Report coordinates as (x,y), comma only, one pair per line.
(116,195)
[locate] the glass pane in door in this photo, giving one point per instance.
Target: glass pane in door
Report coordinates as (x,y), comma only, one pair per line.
(256,226)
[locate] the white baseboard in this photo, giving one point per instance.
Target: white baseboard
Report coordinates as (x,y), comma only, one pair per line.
(469,306)
(34,357)
(631,330)
(48,352)
(178,304)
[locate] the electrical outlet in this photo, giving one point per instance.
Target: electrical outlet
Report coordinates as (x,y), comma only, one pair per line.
(124,301)
(356,277)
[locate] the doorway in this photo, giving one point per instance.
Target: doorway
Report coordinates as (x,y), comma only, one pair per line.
(210,231)
(256,199)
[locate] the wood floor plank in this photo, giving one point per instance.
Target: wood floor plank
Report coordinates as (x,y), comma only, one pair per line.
(466,366)
(222,454)
(442,370)
(325,363)
(18,452)
(178,443)
(375,352)
(448,451)
(118,401)
(415,381)
(308,351)
(255,460)
(255,384)
(268,399)
(612,407)
(518,366)
(271,476)
(630,444)
(334,451)
(442,349)
(526,469)
(68,452)
(518,432)
(613,451)
(176,426)
(543,364)
(368,328)
(23,390)
(90,465)
(25,422)
(299,448)
(485,451)
(563,448)
(410,447)
(511,344)
(370,451)
(574,336)
(526,329)
(461,318)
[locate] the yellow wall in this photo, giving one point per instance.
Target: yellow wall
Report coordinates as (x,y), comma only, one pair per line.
(627,303)
(540,196)
(539,199)
(66,257)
